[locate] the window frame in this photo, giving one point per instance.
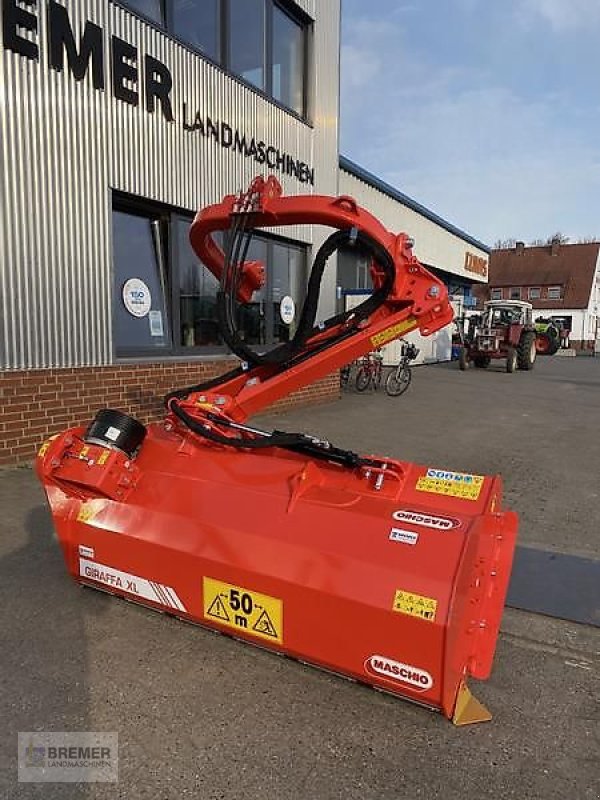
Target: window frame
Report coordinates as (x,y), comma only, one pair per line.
(512,291)
(289,8)
(531,295)
(169,215)
(557,289)
(494,291)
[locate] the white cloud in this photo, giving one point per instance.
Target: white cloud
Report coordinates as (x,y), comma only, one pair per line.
(562,15)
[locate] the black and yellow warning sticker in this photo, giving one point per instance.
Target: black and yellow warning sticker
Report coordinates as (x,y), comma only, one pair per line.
(243,610)
(415,605)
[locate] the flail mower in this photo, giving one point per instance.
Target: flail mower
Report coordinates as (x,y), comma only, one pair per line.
(390,573)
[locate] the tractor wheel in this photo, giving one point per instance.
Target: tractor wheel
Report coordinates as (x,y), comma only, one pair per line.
(526,351)
(463,358)
(511,360)
(482,362)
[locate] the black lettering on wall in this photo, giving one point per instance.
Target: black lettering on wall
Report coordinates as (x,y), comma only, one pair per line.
(122,54)
(61,40)
(14,20)
(158,83)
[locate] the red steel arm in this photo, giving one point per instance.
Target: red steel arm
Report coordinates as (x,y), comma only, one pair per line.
(417,299)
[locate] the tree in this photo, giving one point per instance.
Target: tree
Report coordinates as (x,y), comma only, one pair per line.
(557,238)
(504,244)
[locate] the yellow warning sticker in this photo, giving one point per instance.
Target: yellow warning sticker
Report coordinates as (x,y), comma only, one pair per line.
(415,605)
(243,610)
(393,332)
(103,458)
(451,484)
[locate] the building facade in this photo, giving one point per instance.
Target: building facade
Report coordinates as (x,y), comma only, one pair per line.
(561,281)
(119,119)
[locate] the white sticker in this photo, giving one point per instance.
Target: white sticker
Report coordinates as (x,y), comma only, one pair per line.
(426,520)
(396,671)
(136,297)
(112,433)
(401,535)
(156,323)
(132,584)
(287,310)
(87,552)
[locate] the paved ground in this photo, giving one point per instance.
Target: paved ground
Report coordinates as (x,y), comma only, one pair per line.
(200,715)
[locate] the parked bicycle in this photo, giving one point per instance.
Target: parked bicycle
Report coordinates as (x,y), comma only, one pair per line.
(370,371)
(398,380)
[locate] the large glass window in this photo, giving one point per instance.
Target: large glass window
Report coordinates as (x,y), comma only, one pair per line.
(288,61)
(198,22)
(140,310)
(247,40)
(264,42)
(165,299)
(151,9)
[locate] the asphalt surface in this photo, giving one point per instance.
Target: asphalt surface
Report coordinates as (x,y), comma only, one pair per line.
(201,715)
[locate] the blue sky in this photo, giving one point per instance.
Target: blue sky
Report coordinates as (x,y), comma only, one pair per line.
(486,111)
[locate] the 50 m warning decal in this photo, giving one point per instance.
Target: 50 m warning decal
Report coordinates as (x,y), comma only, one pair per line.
(243,610)
(453,484)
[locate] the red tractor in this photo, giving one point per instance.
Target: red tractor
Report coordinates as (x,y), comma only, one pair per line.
(504,330)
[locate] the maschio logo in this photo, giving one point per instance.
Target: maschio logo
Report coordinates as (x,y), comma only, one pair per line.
(426,520)
(382,667)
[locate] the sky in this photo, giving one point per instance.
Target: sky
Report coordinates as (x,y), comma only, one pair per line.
(485,111)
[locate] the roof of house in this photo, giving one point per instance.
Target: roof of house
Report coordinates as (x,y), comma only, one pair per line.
(372,180)
(573,267)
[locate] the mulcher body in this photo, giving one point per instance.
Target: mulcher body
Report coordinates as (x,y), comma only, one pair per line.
(389,573)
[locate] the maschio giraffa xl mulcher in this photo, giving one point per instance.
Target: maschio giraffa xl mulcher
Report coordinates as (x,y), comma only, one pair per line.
(390,573)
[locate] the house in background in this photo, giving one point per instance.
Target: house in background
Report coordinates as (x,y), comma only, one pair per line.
(561,281)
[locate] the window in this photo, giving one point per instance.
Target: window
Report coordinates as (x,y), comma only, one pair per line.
(198,22)
(247,40)
(496,294)
(534,293)
(515,293)
(151,9)
(140,313)
(554,293)
(287,69)
(263,42)
(165,299)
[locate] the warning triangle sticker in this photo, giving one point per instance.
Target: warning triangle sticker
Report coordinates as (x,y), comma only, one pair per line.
(264,625)
(217,609)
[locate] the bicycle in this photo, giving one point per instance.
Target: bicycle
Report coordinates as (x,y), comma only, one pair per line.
(398,380)
(370,372)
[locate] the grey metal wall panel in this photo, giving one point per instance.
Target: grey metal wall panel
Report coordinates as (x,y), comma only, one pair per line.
(64,146)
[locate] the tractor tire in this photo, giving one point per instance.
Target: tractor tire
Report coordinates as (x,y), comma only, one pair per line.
(554,347)
(463,359)
(511,359)
(527,350)
(482,362)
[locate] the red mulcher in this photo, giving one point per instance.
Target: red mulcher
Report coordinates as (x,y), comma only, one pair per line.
(389,573)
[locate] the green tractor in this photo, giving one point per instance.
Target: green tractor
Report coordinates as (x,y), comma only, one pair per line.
(548,336)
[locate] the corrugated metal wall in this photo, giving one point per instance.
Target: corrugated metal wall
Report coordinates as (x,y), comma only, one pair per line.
(433,244)
(64,145)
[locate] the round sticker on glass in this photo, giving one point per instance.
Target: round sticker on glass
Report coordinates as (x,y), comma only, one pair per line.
(287,310)
(136,297)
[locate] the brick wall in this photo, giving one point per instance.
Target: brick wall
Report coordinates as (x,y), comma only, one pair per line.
(34,404)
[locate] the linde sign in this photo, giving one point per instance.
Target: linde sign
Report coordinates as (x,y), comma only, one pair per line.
(130,75)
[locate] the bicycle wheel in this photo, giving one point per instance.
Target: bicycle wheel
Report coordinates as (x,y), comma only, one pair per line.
(378,374)
(363,379)
(398,381)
